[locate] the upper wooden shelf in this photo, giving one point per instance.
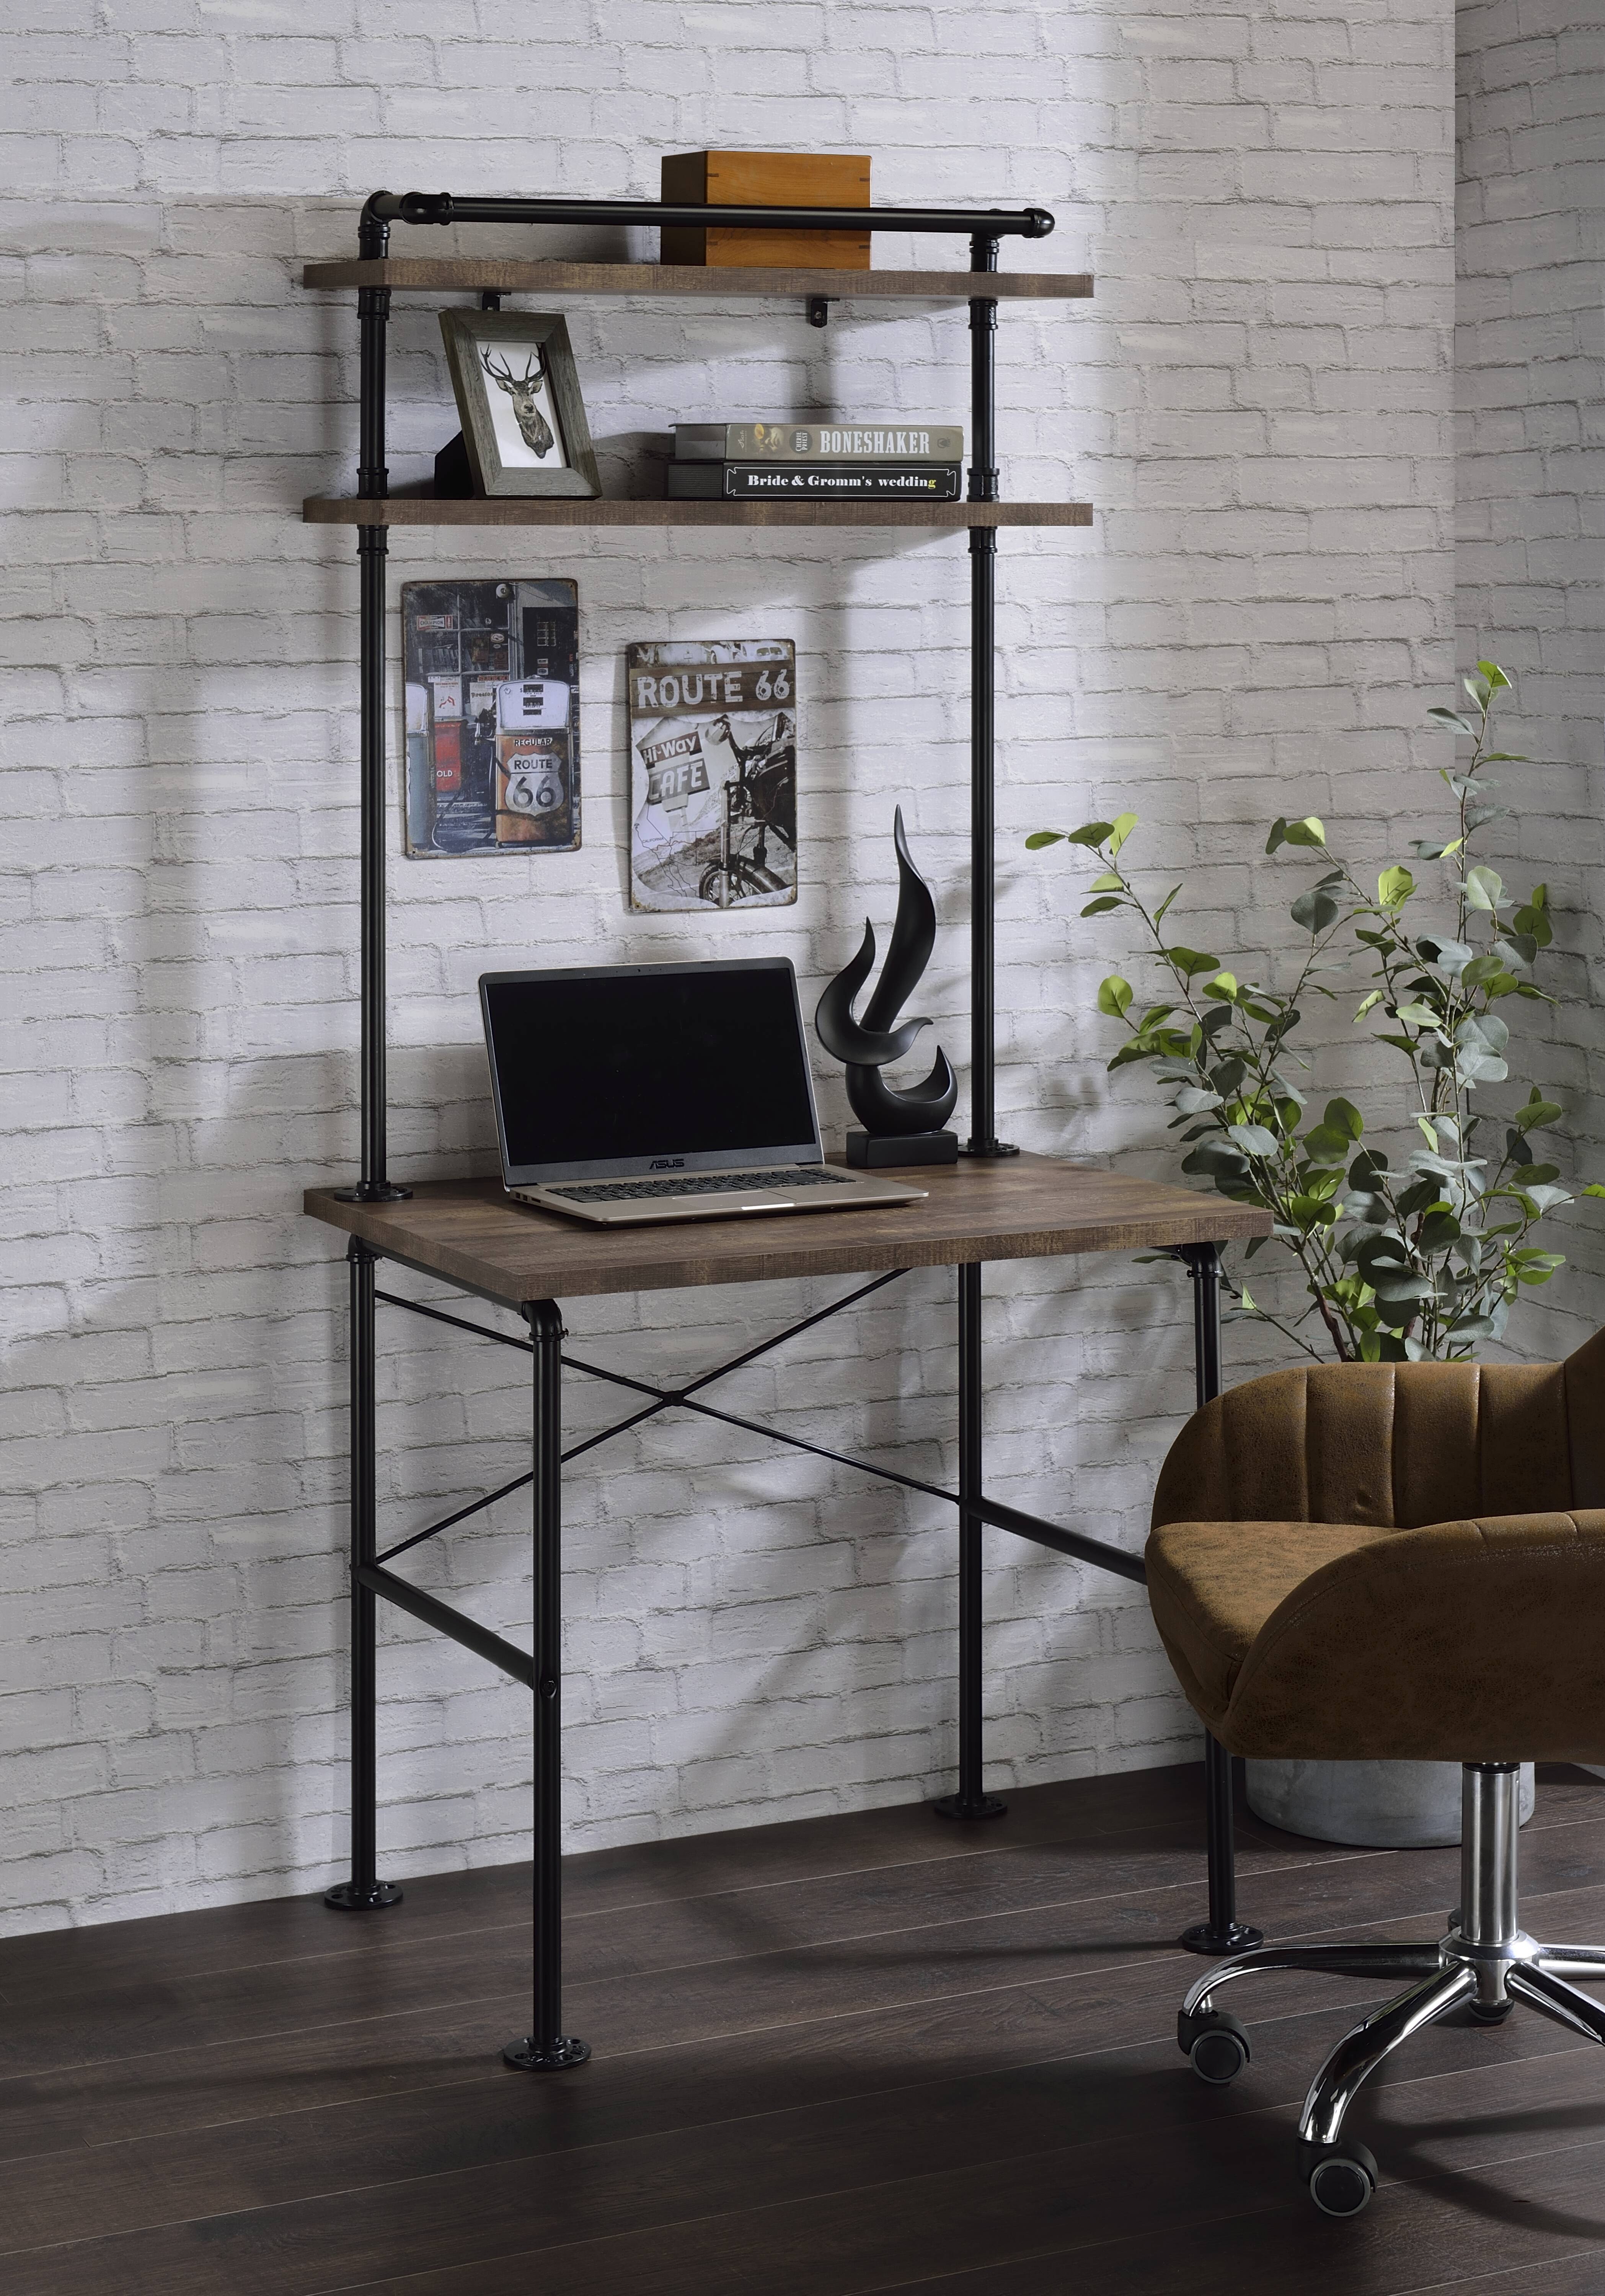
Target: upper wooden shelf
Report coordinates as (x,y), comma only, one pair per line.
(563,510)
(464,275)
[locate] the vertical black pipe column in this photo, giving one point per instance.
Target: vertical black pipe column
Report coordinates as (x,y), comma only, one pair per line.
(1223,1932)
(969,1802)
(364,1892)
(983,1139)
(372,483)
(545,2047)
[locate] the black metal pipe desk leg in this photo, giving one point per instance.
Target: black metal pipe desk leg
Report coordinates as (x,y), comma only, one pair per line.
(546,2047)
(364,1892)
(1223,1932)
(970,1801)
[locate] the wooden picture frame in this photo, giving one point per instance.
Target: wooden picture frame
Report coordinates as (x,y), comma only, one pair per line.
(524,424)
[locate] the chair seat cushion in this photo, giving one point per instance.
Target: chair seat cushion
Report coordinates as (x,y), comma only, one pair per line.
(1480,1640)
(1212,1585)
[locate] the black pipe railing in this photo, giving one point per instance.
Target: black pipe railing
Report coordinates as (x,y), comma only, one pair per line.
(386,208)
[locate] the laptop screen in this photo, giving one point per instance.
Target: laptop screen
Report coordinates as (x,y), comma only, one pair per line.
(626,1070)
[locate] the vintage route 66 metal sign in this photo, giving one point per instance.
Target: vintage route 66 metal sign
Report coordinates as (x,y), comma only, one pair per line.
(713,773)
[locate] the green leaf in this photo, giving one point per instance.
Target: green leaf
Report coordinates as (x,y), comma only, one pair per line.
(1534,918)
(1484,887)
(1394,887)
(1480,972)
(1343,1116)
(1091,832)
(1492,673)
(1420,1015)
(1111,882)
(1371,1209)
(1098,908)
(1323,1143)
(1440,1229)
(1539,1199)
(1453,717)
(1366,1003)
(1537,1112)
(1217,1156)
(1485,1030)
(1120,829)
(1594,1189)
(1452,956)
(1278,836)
(1253,1139)
(1114,996)
(1245,1298)
(1160,912)
(1313,910)
(1225,986)
(1396,1291)
(1189,961)
(1310,830)
(1041,837)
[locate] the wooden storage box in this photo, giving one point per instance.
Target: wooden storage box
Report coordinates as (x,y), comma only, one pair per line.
(800,179)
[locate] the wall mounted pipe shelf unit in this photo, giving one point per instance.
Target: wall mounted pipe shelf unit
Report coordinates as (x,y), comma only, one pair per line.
(373,510)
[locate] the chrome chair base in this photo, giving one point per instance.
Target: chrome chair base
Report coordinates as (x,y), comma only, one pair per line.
(1485,1959)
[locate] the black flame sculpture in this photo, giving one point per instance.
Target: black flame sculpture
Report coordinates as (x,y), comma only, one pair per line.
(898,1127)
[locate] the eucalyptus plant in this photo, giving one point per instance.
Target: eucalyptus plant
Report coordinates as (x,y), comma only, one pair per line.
(1406,1256)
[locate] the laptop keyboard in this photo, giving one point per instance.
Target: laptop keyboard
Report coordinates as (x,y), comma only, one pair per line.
(707,1183)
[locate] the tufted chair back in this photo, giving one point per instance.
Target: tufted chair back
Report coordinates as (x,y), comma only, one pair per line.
(1395,1446)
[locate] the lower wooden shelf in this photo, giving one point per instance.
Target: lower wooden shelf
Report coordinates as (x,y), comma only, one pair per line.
(515,509)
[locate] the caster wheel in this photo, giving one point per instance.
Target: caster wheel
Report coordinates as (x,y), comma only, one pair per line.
(1341,2177)
(1217,2044)
(1490,2012)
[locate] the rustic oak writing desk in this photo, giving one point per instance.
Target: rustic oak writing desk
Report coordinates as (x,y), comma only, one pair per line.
(469,1234)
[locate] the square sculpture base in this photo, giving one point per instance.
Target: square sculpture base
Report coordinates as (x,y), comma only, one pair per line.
(872,1151)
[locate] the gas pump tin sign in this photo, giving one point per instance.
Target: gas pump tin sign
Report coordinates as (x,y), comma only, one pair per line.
(491,672)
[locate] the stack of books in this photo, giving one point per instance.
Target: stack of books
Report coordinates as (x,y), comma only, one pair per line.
(808,461)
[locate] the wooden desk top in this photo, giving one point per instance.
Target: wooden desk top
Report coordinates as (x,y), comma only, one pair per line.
(1020,1207)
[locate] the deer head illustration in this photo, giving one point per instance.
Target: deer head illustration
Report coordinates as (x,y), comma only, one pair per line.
(522,389)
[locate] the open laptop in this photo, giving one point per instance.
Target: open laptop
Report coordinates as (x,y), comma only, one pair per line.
(629,1093)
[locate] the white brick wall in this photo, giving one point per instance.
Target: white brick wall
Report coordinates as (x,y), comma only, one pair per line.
(1530,558)
(1259,402)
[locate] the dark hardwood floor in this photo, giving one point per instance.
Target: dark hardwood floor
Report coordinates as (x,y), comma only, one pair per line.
(857,2053)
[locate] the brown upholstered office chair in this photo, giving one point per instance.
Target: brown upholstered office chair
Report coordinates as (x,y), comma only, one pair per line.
(1379,1560)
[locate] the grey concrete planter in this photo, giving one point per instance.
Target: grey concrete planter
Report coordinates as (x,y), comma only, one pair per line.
(1376,1804)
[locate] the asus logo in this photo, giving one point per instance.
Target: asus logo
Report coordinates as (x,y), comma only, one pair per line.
(666,1164)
